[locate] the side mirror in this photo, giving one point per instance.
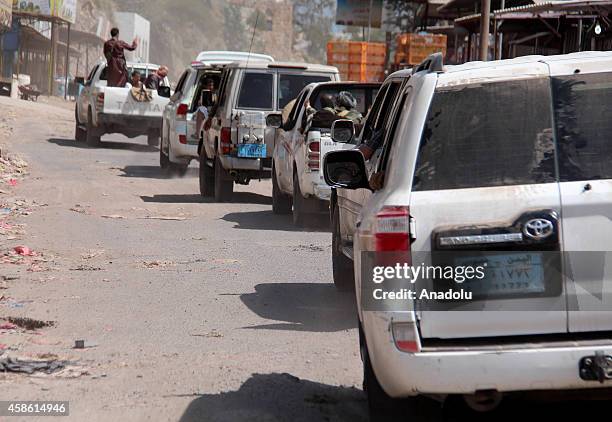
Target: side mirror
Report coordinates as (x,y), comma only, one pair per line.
(164,91)
(79,80)
(345,169)
(206,98)
(343,131)
(274,120)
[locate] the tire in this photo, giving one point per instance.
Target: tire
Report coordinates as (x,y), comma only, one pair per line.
(92,136)
(381,407)
(80,135)
(164,161)
(299,217)
(342,267)
(224,189)
(207,176)
(153,139)
(281,203)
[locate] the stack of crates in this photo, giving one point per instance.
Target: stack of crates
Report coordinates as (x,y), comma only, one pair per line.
(412,49)
(358,61)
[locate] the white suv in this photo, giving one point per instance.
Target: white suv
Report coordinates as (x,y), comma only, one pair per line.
(179,140)
(505,163)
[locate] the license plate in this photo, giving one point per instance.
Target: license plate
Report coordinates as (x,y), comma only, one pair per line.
(252,150)
(506,274)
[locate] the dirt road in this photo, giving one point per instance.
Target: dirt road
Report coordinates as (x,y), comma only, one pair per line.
(194,310)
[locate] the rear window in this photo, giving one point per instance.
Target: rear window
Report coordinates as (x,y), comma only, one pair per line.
(364,97)
(290,86)
(493,134)
(256,91)
(583,106)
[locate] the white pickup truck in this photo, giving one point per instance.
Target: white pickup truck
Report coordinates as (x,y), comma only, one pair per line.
(300,146)
(101,109)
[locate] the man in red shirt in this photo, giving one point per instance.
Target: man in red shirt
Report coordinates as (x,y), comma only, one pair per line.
(115,57)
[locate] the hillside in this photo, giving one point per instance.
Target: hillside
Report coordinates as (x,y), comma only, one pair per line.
(182,28)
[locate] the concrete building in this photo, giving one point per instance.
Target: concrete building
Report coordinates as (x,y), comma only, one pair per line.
(132,25)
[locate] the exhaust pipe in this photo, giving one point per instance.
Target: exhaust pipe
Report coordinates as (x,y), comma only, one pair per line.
(484,400)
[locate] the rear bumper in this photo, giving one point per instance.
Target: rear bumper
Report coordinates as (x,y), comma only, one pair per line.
(183,150)
(464,372)
(129,125)
(311,185)
(251,164)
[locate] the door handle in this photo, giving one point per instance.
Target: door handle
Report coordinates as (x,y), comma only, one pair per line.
(587,187)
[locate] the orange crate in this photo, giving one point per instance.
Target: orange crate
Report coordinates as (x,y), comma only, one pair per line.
(352,58)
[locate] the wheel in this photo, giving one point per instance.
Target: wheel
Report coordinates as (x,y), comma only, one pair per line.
(381,407)
(92,136)
(207,176)
(153,139)
(300,218)
(80,135)
(281,203)
(224,188)
(164,161)
(342,267)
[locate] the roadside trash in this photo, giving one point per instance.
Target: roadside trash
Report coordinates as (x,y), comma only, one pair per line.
(80,209)
(12,182)
(85,268)
(24,251)
(158,264)
(7,326)
(82,344)
(113,216)
(29,323)
(31,366)
(211,334)
(161,217)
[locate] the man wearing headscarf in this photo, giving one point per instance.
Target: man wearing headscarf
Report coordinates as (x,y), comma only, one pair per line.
(346,107)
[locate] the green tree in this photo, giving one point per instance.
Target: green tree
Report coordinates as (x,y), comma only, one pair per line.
(313,24)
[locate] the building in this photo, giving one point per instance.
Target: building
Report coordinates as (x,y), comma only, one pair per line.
(131,26)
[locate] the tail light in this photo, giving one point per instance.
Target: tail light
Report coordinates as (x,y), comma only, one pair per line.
(100,100)
(313,155)
(183,139)
(406,336)
(393,230)
(226,140)
(181,111)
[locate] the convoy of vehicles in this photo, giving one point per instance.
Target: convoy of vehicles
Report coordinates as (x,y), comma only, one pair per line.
(238,145)
(300,145)
(180,137)
(509,157)
(102,110)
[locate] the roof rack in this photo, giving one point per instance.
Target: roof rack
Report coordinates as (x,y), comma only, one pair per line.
(433,63)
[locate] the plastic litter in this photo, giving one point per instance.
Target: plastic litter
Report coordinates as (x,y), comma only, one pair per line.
(31,366)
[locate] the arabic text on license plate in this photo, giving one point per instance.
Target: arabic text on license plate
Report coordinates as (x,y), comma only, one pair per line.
(506,274)
(252,150)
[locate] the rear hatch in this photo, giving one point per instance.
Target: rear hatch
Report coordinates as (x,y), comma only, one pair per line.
(485,194)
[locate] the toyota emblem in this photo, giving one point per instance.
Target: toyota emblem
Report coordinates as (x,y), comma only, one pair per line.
(538,229)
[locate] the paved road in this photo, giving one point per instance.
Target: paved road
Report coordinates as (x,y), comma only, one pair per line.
(227,315)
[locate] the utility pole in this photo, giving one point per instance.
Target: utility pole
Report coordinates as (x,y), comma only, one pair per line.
(485,15)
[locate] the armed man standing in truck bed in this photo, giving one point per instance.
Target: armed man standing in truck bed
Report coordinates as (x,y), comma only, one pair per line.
(115,57)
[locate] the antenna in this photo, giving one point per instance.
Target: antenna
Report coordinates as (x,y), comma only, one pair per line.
(253,38)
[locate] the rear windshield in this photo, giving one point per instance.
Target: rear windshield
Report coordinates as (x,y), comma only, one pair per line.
(583,110)
(486,135)
(364,97)
(290,86)
(256,91)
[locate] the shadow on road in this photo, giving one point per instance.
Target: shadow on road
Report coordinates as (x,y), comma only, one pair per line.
(267,220)
(311,307)
(279,397)
(237,198)
(128,146)
(153,172)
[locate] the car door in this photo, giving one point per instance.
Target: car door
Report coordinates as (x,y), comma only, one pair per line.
(84,97)
(283,145)
(171,108)
(583,105)
(484,182)
(350,202)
